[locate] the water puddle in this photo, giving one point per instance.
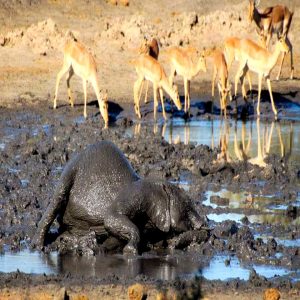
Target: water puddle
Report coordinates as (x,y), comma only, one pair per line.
(234,200)
(225,268)
(259,218)
(252,140)
(280,241)
(165,267)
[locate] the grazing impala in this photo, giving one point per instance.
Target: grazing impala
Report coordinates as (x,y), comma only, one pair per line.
(152,49)
(220,70)
(259,60)
(150,69)
(78,60)
(182,63)
(276,19)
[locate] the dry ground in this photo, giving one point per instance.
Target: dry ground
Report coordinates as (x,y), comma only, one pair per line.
(31,55)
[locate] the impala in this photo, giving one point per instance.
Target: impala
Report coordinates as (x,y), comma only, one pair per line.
(78,60)
(181,60)
(220,70)
(259,60)
(276,19)
(152,49)
(150,69)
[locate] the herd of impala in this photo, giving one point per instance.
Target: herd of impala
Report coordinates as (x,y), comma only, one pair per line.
(250,55)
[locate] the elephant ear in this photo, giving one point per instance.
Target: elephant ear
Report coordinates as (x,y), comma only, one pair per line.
(159,210)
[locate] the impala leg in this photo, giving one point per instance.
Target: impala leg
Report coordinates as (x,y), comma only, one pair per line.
(237,77)
(185,95)
(259,93)
(162,102)
(141,91)
(280,66)
(60,74)
(249,81)
(155,100)
(136,91)
(69,76)
(292,59)
(213,82)
(146,93)
(291,56)
(188,95)
(84,83)
(271,96)
(172,75)
(244,72)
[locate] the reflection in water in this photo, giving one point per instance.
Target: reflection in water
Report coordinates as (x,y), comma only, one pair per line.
(252,140)
(166,267)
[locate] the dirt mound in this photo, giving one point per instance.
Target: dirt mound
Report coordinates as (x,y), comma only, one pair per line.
(182,29)
(9,4)
(40,37)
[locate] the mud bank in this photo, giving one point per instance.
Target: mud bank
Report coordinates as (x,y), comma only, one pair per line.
(36,143)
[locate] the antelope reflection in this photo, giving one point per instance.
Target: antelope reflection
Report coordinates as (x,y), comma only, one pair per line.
(264,143)
(250,141)
(243,145)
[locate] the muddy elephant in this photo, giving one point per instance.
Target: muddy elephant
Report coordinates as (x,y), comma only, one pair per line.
(98,187)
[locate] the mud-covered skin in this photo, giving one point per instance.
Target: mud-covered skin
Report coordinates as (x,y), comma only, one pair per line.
(99,187)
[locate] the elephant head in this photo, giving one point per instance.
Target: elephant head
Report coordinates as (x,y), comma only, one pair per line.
(171,209)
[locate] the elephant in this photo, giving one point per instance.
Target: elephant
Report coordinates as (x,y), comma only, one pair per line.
(99,188)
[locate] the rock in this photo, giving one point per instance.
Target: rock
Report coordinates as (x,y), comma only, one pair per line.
(219,200)
(136,292)
(271,294)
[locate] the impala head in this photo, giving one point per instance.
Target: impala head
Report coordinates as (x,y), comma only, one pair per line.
(144,47)
(252,5)
(282,45)
(176,97)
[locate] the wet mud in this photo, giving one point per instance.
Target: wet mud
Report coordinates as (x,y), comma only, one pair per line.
(37,142)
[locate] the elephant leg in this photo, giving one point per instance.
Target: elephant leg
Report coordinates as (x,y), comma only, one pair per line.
(121,227)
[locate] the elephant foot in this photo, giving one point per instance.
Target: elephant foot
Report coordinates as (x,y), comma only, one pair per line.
(81,243)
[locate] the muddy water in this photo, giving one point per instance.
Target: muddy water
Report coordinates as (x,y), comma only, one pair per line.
(240,141)
(162,267)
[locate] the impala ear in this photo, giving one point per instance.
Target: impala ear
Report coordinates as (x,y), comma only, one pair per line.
(256,2)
